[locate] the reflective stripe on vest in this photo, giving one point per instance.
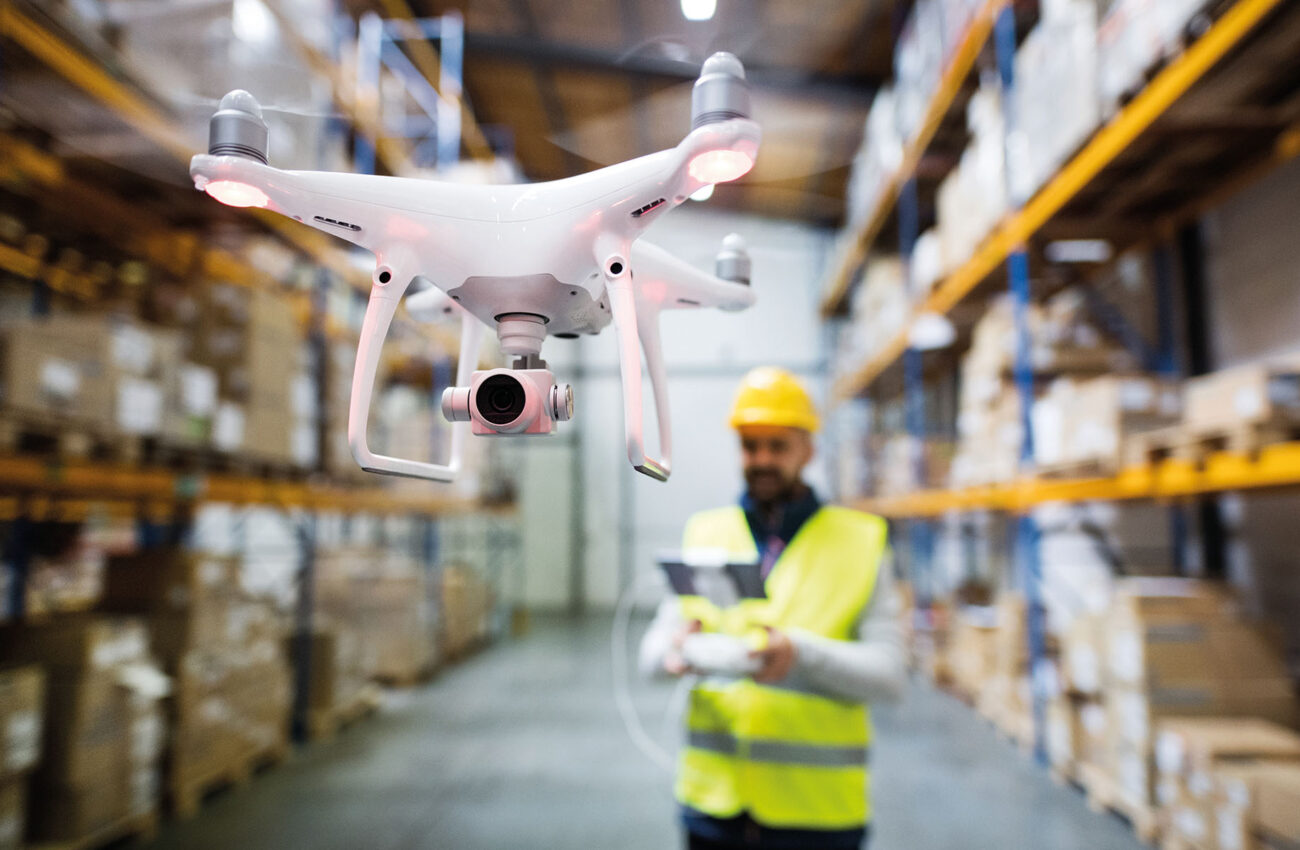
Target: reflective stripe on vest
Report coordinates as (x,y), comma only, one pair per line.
(778,752)
(791,758)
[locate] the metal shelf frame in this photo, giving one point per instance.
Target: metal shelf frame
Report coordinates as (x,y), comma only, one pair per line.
(857,245)
(1106,145)
(1170,480)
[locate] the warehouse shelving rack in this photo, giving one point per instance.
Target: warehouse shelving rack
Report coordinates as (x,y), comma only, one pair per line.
(1173,481)
(161,500)
(1110,142)
(856,245)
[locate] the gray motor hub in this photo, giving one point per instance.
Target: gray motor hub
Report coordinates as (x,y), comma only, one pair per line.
(721,92)
(733,261)
(237,128)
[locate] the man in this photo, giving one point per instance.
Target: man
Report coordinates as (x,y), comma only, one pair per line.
(779,760)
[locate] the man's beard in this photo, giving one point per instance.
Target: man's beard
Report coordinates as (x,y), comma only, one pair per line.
(769,486)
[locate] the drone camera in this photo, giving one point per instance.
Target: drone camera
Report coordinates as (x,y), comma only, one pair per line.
(510,402)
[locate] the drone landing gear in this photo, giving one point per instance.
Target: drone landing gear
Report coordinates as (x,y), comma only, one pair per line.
(636,324)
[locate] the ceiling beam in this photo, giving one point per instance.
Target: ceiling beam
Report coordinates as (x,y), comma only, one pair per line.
(545,55)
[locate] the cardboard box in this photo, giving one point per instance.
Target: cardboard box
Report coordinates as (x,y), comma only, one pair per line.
(22,715)
(1083,652)
(1256,799)
(1165,654)
(93,643)
(60,366)
(1134,714)
(13,811)
(1277,797)
(168,581)
(1243,396)
(1195,746)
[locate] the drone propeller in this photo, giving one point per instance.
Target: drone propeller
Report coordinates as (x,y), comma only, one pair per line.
(795,139)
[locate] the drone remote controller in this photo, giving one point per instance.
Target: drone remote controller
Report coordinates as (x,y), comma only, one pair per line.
(562,258)
(719,655)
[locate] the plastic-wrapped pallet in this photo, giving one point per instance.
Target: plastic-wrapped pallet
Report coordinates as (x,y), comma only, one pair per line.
(918,64)
(1134,35)
(103,729)
(1086,422)
(877,160)
(1056,101)
(973,198)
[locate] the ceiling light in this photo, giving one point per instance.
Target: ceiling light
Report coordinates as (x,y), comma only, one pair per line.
(699,10)
(252,22)
(1078,251)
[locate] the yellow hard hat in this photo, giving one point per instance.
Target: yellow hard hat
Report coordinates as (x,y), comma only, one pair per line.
(771,396)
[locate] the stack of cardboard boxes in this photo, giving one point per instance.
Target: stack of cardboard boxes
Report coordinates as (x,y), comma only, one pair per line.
(989,426)
(466,610)
(232,686)
(379,608)
(252,339)
(1084,423)
(1005,695)
(103,724)
(1176,648)
(1211,772)
(22,713)
(1167,648)
(972,649)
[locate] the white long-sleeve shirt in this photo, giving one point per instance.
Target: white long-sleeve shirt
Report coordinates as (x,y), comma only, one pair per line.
(869,668)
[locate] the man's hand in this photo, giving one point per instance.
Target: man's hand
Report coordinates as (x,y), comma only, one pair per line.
(778,657)
(674,663)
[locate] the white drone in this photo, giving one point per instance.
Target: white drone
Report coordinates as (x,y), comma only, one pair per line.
(559,258)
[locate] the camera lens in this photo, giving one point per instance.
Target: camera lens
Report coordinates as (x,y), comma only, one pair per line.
(500,399)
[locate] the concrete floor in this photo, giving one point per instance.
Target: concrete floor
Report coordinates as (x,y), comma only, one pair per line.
(521,747)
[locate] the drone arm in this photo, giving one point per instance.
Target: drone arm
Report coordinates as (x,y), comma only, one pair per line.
(384,299)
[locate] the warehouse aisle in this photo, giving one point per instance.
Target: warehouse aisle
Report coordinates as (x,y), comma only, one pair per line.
(521,747)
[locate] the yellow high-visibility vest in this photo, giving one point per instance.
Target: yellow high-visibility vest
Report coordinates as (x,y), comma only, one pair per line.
(793,760)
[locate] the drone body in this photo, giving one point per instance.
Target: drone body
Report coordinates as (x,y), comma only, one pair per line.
(559,258)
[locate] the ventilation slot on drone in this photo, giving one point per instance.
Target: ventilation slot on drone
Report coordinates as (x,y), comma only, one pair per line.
(650,207)
(344,224)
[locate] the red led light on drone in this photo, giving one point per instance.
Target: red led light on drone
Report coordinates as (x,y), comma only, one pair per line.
(720,166)
(232,193)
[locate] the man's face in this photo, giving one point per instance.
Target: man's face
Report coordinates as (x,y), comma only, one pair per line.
(773,459)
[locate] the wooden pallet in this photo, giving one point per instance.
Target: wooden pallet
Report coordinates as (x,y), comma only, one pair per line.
(1177,842)
(1091,468)
(409,679)
(188,793)
(48,435)
(1105,795)
(140,828)
(1193,444)
(324,724)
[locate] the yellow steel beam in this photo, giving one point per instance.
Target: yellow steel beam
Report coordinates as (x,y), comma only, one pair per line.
(90,78)
(19,263)
(1108,143)
(72,480)
(1276,466)
(950,85)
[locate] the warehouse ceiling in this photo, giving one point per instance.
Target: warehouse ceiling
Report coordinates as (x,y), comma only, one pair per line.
(575,84)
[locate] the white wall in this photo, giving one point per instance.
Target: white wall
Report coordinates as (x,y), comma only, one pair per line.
(629,517)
